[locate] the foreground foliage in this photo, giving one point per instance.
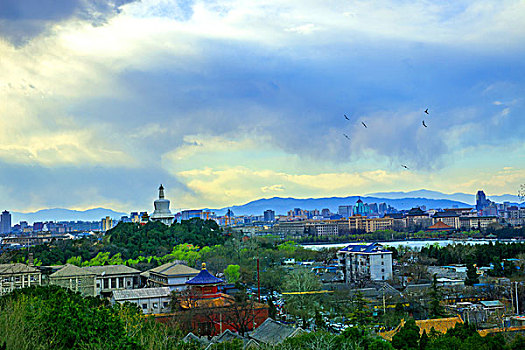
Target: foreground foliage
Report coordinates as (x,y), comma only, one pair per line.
(56,318)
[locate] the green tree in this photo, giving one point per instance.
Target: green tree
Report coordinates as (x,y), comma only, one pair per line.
(408,337)
(302,304)
(232,273)
(423,341)
(436,310)
(55,318)
(472,275)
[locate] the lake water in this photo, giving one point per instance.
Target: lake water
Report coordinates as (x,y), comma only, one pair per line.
(412,244)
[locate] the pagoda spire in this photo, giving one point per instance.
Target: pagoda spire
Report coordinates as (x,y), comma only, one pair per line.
(161,192)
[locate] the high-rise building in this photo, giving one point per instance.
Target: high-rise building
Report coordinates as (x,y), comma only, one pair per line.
(38,226)
(345,211)
(373,208)
(481,201)
(360,208)
(5,222)
(107,223)
(269,215)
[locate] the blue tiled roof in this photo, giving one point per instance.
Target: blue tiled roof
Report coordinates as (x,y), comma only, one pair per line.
(204,277)
(364,248)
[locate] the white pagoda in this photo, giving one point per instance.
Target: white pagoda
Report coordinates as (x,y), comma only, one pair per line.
(162,211)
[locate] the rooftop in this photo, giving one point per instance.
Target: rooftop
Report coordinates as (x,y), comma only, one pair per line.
(71,271)
(365,248)
(127,294)
(446,214)
(273,332)
(204,277)
(111,270)
(174,269)
(16,268)
(440,226)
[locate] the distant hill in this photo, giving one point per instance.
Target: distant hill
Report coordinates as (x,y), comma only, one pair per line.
(461,197)
(282,205)
(59,214)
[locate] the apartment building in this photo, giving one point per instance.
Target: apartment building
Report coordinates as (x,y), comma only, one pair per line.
(365,262)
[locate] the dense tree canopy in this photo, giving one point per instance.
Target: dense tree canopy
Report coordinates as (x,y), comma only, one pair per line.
(56,318)
(127,241)
(480,254)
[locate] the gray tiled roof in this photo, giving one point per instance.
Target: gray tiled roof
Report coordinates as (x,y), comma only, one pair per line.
(190,337)
(365,248)
(16,268)
(71,271)
(174,269)
(108,270)
(128,294)
(273,332)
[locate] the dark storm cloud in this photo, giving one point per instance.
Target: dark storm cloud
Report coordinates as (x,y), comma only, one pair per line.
(299,103)
(21,20)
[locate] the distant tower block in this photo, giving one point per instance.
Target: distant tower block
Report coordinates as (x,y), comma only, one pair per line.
(162,211)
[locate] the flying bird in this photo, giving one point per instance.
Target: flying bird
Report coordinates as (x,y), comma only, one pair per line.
(425,125)
(426,111)
(364,124)
(346,117)
(346,136)
(404,166)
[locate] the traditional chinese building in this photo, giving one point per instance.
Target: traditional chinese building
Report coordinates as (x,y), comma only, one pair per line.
(203,309)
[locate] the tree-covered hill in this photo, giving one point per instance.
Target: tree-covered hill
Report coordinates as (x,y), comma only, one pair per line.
(155,238)
(126,241)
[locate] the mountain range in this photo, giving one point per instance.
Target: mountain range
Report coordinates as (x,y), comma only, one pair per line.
(461,197)
(60,214)
(398,200)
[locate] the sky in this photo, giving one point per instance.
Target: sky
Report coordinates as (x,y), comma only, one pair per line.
(224,102)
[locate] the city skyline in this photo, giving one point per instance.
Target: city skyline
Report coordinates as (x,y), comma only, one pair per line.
(229,103)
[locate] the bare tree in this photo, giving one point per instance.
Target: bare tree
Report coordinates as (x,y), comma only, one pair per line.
(240,314)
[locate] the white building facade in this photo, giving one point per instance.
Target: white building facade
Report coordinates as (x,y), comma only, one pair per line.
(149,300)
(361,262)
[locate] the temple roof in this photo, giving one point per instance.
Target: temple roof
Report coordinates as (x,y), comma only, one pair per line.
(416,212)
(440,225)
(204,277)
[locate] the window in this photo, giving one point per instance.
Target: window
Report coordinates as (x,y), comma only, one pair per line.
(144,306)
(129,283)
(155,305)
(382,270)
(17,279)
(98,285)
(113,283)
(165,304)
(383,277)
(382,262)
(106,283)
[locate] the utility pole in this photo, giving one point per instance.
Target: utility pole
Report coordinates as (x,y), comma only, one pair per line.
(517,302)
(258,282)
